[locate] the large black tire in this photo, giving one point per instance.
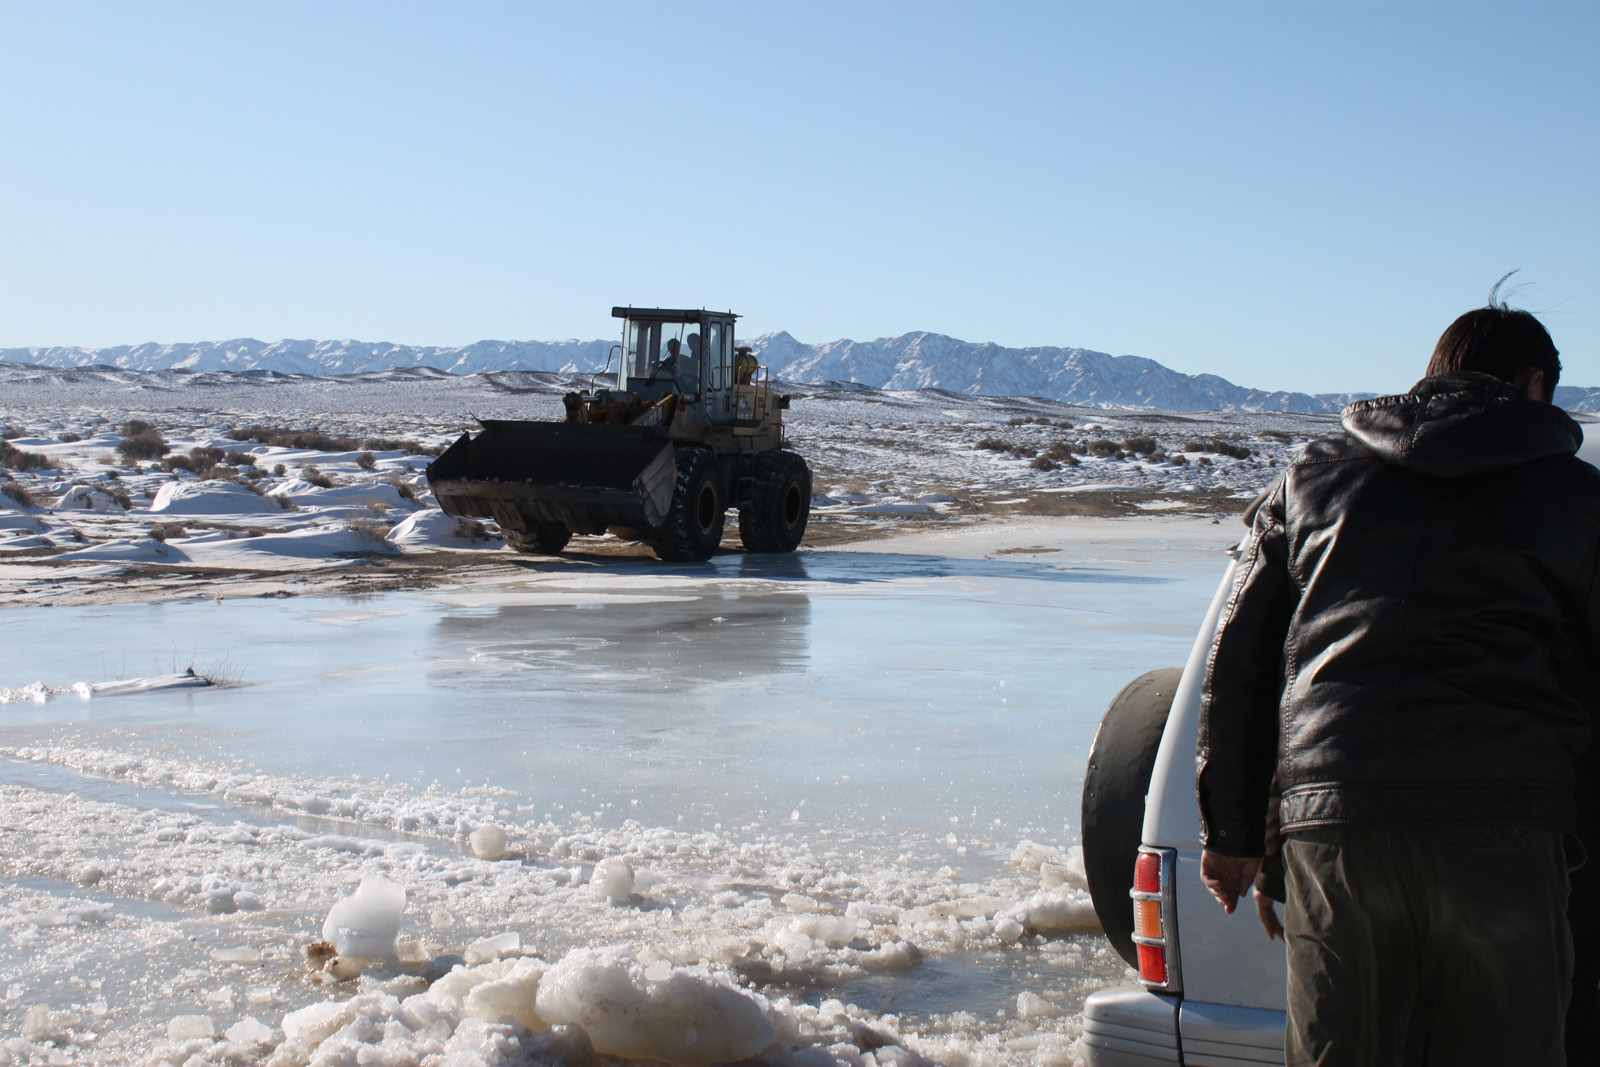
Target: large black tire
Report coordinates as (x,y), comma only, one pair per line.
(1114,787)
(546,538)
(774,519)
(692,531)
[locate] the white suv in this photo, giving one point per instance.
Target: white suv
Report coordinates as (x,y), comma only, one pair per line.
(1213,984)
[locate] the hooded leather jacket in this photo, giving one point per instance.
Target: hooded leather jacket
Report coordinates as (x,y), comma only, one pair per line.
(1411,636)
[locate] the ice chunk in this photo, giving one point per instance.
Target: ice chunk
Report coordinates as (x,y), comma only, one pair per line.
(613,879)
(249,1031)
(41,1024)
(891,956)
(690,1018)
(1059,913)
(492,948)
(510,998)
(1077,874)
(488,842)
(1033,1006)
(310,1025)
(829,929)
(366,923)
(191,1028)
(1030,855)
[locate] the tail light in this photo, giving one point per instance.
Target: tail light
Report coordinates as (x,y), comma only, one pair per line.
(1155,933)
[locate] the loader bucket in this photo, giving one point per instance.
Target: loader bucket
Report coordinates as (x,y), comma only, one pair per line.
(586,477)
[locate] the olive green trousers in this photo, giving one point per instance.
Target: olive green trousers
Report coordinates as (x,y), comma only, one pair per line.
(1427,945)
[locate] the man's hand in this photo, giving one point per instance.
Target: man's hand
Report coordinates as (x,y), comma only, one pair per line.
(1228,877)
(1268,916)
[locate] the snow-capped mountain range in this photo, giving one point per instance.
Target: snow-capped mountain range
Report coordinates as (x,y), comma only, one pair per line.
(918,360)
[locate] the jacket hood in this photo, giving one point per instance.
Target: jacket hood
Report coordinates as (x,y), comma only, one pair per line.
(1455,426)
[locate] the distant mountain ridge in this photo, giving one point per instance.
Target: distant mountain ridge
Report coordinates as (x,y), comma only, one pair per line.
(918,360)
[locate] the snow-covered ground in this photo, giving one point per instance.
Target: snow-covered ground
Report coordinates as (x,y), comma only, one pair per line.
(79,521)
(813,809)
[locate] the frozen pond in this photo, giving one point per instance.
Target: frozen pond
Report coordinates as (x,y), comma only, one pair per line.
(925,711)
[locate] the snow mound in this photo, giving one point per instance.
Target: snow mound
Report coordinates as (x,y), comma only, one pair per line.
(135,686)
(145,550)
(39,693)
(432,528)
(314,542)
(307,495)
(687,1017)
(210,498)
(87,498)
(9,521)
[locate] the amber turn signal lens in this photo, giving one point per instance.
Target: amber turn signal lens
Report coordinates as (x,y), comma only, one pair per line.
(1147,918)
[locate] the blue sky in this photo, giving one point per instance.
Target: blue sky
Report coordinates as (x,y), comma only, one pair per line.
(1292,196)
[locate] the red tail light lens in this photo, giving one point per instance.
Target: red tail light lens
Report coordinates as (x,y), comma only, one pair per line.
(1147,873)
(1153,964)
(1153,909)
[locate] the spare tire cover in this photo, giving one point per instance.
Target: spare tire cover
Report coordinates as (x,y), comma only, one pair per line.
(1114,788)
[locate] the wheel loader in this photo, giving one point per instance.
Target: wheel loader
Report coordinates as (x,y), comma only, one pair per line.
(657,449)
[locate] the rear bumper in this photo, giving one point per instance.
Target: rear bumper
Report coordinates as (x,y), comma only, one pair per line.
(1131,1028)
(1138,1028)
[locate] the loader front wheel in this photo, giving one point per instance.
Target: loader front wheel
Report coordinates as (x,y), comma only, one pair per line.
(693,528)
(774,519)
(547,538)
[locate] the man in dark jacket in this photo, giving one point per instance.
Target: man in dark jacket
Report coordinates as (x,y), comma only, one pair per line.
(1409,651)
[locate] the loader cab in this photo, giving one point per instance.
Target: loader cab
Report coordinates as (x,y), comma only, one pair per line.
(689,352)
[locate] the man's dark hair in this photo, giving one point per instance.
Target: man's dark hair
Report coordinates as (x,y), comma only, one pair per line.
(1500,341)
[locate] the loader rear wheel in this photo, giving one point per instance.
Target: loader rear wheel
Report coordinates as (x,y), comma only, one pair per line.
(693,529)
(774,519)
(547,538)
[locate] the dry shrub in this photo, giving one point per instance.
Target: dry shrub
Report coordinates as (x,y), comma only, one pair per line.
(404,489)
(1216,446)
(994,444)
(471,530)
(377,507)
(286,504)
(1044,463)
(366,461)
(140,440)
(11,433)
(1178,459)
(18,492)
(18,460)
(400,444)
(241,459)
(371,529)
(161,531)
(312,439)
(119,494)
(70,438)
(316,478)
(319,441)
(1102,447)
(280,470)
(1139,446)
